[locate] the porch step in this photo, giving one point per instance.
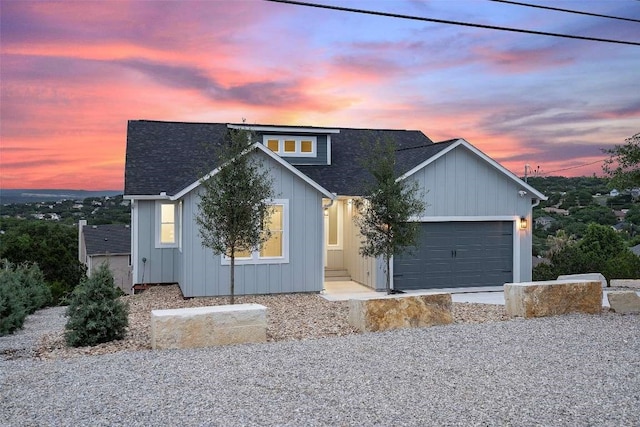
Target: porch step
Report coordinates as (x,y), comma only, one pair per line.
(336,275)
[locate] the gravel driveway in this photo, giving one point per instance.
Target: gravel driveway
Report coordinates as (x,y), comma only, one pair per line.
(575,370)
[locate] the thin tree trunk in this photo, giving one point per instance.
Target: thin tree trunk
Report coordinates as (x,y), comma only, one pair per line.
(232,286)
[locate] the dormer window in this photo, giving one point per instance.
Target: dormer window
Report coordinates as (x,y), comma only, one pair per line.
(292,146)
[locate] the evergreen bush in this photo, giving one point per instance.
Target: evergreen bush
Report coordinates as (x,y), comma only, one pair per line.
(12,310)
(96,315)
(22,291)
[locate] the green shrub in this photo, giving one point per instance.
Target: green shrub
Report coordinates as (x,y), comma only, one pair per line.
(96,315)
(22,291)
(12,309)
(36,292)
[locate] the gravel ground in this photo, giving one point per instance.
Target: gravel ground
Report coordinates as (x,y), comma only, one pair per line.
(575,370)
(289,317)
(569,370)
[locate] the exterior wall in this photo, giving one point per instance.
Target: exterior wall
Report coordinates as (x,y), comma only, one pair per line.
(203,274)
(162,264)
(119,266)
(460,186)
(366,271)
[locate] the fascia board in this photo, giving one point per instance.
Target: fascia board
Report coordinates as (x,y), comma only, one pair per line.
(146,197)
(483,156)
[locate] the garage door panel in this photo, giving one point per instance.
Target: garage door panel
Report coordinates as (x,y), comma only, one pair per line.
(458,254)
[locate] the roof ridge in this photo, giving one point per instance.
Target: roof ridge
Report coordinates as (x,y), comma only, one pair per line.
(274,125)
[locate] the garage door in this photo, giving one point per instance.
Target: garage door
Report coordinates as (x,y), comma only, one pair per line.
(457,254)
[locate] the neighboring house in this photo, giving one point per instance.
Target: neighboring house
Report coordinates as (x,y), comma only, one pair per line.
(620,226)
(110,243)
(620,215)
(544,222)
(614,193)
(635,249)
(475,231)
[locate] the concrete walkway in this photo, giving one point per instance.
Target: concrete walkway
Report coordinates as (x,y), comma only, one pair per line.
(342,291)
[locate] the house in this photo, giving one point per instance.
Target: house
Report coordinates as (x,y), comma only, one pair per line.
(544,222)
(110,243)
(475,231)
(614,193)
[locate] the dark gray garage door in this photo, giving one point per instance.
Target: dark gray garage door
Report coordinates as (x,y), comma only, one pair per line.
(457,254)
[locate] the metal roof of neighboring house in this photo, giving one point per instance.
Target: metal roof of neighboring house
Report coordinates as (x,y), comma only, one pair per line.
(636,249)
(107,239)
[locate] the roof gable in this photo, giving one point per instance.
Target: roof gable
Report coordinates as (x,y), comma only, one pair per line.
(262,149)
(453,144)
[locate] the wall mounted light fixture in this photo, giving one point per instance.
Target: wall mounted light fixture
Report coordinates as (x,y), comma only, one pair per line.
(523,223)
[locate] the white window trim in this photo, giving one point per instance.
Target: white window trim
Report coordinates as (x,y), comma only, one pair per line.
(176,243)
(255,255)
(298,139)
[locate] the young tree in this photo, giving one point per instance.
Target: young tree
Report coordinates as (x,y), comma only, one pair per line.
(623,165)
(234,203)
(388,205)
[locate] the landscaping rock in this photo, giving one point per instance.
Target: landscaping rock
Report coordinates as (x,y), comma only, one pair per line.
(625,283)
(208,326)
(624,302)
(393,312)
(553,297)
(585,276)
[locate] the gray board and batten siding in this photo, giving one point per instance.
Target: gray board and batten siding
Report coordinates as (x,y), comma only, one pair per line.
(465,195)
(201,273)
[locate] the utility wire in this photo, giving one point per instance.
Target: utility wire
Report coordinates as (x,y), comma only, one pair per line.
(517,3)
(444,21)
(572,167)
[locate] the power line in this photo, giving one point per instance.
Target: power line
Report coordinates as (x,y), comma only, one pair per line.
(573,167)
(444,21)
(517,3)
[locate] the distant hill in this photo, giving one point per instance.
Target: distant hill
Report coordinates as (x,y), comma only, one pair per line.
(48,195)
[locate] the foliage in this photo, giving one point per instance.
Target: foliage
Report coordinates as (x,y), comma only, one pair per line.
(623,165)
(234,202)
(594,214)
(581,197)
(602,250)
(557,184)
(633,215)
(388,206)
(53,246)
(96,315)
(22,291)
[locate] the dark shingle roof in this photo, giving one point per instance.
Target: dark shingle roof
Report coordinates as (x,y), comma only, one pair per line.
(107,239)
(168,156)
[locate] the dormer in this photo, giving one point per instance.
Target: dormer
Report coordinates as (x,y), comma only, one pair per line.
(297,145)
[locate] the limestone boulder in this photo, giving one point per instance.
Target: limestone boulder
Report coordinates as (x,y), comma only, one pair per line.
(400,311)
(625,283)
(552,298)
(208,326)
(624,302)
(585,276)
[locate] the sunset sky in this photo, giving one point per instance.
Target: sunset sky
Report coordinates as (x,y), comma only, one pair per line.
(73,73)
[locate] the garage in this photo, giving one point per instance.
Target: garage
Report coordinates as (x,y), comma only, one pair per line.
(457,254)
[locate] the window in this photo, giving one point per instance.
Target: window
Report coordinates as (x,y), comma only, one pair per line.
(292,146)
(167,227)
(273,145)
(276,249)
